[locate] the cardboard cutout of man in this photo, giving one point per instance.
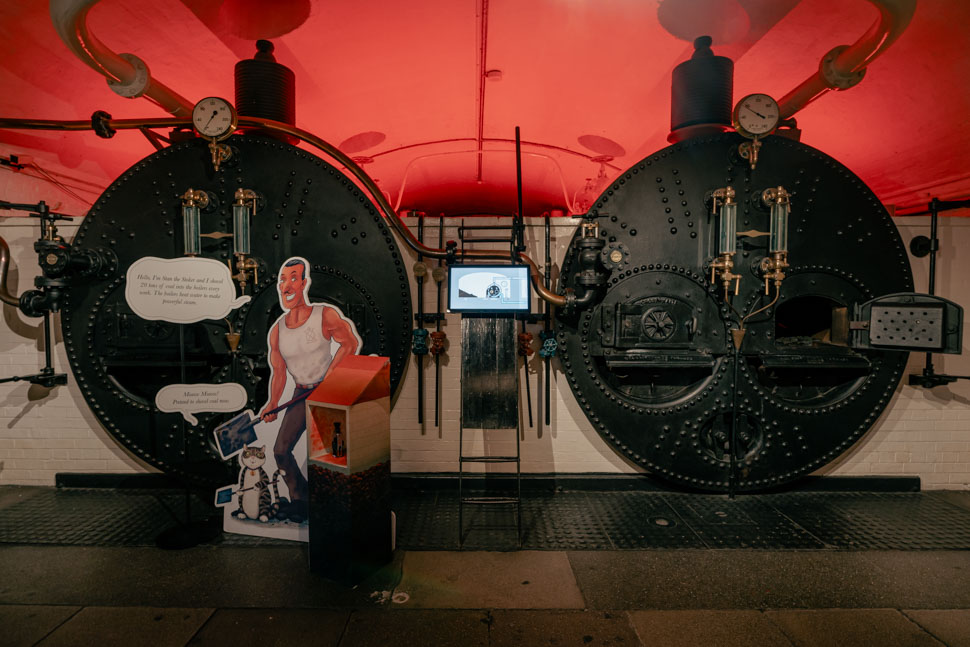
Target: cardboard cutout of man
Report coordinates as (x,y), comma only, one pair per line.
(300,345)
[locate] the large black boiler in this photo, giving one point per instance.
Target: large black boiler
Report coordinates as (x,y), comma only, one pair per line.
(649,350)
(304,207)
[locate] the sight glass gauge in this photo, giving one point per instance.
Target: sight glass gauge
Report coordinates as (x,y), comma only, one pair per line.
(214,118)
(756,115)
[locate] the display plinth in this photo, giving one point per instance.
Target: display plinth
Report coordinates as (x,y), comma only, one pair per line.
(350,492)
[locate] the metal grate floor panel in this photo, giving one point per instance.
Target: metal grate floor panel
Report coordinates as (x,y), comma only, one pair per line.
(572,520)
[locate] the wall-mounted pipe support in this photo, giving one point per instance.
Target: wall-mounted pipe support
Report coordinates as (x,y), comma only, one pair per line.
(844,66)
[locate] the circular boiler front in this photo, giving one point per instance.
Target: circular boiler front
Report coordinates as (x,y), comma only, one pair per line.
(306,208)
(652,360)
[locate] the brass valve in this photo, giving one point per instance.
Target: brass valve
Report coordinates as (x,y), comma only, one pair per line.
(195,198)
(220,153)
(773,269)
(749,151)
(721,270)
(245,195)
(244,267)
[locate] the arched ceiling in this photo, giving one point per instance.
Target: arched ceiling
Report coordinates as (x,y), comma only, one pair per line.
(404,85)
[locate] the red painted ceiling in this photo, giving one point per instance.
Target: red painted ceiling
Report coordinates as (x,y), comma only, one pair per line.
(400,83)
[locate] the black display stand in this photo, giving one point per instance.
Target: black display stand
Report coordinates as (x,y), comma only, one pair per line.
(350,534)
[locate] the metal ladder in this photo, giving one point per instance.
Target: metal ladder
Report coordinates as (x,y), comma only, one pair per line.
(490,500)
(463,459)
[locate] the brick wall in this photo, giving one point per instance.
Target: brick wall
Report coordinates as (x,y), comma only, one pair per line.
(42,433)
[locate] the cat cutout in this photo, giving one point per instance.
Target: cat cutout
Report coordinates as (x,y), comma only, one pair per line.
(255,500)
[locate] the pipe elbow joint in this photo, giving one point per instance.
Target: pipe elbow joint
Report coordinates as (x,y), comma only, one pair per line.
(587,298)
(575,303)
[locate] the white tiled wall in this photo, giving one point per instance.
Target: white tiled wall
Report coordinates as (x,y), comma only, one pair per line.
(926,433)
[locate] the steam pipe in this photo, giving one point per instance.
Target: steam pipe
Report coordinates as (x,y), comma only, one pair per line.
(5,294)
(844,66)
(387,211)
(126,74)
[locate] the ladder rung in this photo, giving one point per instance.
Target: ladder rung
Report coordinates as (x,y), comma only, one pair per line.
(489,459)
(489,499)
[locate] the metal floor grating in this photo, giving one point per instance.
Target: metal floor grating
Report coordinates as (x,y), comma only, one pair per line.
(572,520)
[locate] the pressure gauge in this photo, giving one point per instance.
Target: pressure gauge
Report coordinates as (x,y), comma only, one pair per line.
(756,115)
(214,118)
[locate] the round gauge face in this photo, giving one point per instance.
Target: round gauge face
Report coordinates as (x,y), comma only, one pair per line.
(214,118)
(755,115)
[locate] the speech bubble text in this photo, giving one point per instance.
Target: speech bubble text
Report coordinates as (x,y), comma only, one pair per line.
(195,398)
(181,290)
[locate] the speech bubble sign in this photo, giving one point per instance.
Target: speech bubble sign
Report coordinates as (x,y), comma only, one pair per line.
(181,290)
(194,398)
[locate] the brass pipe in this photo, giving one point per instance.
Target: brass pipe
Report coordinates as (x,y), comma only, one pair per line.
(85,124)
(538,285)
(387,211)
(5,294)
(844,62)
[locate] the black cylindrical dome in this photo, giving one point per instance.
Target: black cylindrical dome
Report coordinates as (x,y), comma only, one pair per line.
(702,89)
(264,88)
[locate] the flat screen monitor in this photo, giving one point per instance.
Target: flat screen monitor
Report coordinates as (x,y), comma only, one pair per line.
(488,288)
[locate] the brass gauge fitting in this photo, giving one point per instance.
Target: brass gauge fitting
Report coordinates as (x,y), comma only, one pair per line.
(220,153)
(723,201)
(243,208)
(244,268)
(773,269)
(193,201)
(773,265)
(721,271)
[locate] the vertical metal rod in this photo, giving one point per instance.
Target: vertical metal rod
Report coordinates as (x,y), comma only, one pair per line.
(547,317)
(461,470)
(185,444)
(48,365)
(420,358)
(528,391)
(519,243)
(518,474)
(519,216)
(732,439)
(437,326)
(934,244)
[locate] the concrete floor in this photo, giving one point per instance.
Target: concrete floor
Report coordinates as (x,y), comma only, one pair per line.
(264,595)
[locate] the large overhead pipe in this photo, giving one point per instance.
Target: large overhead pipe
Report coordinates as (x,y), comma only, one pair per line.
(844,66)
(127,74)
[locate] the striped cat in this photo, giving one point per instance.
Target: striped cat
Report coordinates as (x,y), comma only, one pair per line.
(255,500)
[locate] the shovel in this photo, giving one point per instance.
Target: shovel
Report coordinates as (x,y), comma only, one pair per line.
(237,432)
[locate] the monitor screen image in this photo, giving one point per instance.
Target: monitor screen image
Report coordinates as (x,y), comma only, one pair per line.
(488,288)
